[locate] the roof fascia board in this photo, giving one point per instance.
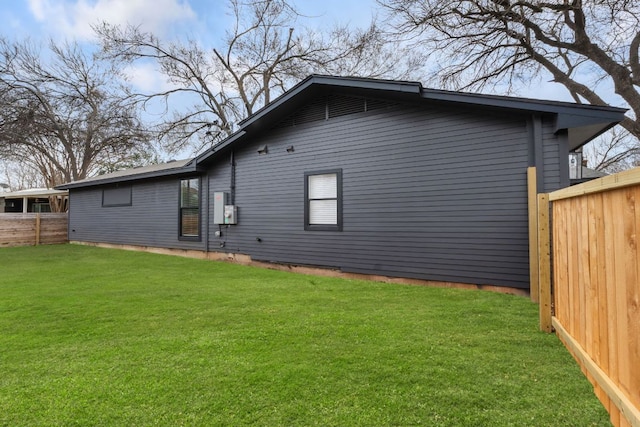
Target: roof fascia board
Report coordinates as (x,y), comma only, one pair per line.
(277,102)
(385,85)
(187,169)
(217,148)
(382,85)
(31,194)
(557,107)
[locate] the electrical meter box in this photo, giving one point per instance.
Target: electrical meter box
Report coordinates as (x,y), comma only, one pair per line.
(219,201)
(230,214)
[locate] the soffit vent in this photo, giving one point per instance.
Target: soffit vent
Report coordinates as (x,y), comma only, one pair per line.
(342,105)
(332,106)
(311,112)
(378,104)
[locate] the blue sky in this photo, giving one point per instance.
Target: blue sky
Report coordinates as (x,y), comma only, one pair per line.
(72,19)
(203,20)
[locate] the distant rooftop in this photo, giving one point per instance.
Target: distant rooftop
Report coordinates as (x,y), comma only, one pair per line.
(33,192)
(592,173)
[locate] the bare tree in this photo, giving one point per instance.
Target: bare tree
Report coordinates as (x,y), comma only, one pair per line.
(62,113)
(586,46)
(19,176)
(613,152)
(261,56)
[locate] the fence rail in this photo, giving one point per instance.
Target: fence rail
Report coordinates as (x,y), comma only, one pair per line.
(32,229)
(596,285)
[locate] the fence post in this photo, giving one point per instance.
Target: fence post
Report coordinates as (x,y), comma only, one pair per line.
(532,192)
(38,223)
(544,262)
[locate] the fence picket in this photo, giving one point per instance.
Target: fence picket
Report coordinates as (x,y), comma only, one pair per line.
(25,229)
(596,272)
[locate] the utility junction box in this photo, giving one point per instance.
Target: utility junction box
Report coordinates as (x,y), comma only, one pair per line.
(230,214)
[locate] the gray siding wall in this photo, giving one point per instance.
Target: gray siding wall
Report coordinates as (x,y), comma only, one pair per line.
(556,158)
(151,220)
(429,193)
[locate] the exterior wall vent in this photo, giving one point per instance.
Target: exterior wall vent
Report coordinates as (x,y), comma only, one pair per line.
(331,106)
(343,105)
(313,112)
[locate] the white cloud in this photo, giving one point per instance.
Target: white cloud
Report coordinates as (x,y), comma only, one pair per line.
(147,79)
(37,8)
(73,18)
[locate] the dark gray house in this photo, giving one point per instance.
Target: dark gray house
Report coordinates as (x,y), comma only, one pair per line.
(366,176)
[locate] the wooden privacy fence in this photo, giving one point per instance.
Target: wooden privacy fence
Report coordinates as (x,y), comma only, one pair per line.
(596,284)
(23,229)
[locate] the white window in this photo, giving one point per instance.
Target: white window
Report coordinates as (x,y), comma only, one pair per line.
(323,200)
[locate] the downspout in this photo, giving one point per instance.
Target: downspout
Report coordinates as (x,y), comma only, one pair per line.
(206,215)
(232,184)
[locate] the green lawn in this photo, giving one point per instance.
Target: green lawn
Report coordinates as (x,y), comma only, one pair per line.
(93,337)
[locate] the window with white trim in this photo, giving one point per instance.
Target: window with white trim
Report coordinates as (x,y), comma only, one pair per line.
(323,200)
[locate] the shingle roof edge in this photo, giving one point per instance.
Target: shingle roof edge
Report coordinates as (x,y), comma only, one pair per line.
(177,167)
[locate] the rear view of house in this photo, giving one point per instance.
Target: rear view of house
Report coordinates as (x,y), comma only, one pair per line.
(366,176)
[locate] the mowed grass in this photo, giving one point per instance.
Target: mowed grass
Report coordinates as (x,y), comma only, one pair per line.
(95,337)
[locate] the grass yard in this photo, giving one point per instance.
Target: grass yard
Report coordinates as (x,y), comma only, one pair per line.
(99,337)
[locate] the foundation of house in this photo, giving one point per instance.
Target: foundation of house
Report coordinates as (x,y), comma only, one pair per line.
(300,269)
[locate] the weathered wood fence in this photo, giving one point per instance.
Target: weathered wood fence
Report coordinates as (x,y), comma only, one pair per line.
(596,284)
(32,229)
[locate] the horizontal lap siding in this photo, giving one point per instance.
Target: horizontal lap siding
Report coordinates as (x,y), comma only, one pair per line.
(151,220)
(435,194)
(555,151)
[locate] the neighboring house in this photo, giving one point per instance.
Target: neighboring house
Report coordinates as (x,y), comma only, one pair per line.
(33,200)
(587,174)
(578,170)
(366,176)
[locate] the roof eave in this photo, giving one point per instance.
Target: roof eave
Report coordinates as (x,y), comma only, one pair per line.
(582,123)
(31,194)
(213,151)
(184,170)
(523,104)
(583,128)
